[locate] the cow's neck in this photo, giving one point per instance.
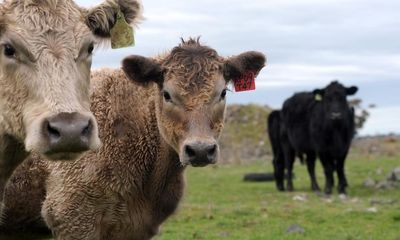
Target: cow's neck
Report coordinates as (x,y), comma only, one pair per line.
(167,181)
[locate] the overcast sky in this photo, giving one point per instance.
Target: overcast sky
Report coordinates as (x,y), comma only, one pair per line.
(308,44)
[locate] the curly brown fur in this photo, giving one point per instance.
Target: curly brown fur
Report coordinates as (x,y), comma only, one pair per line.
(135,182)
(46,52)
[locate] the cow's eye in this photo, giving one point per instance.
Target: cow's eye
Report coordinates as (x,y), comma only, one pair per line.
(223,94)
(91,48)
(167,96)
(9,51)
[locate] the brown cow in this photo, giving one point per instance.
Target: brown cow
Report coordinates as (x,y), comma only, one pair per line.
(163,115)
(46,53)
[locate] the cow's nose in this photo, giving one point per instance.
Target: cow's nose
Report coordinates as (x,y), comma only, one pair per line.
(68,132)
(200,154)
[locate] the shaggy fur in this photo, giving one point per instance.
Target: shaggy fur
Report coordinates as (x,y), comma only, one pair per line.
(135,182)
(102,18)
(45,65)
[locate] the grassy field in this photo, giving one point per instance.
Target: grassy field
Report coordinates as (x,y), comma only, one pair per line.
(219,205)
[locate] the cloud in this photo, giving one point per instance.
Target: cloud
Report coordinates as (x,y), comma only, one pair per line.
(386,123)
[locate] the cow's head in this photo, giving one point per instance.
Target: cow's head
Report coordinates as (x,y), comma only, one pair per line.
(334,99)
(192,83)
(45,58)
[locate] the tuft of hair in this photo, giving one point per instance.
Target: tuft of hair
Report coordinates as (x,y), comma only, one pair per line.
(192,41)
(102,18)
(188,50)
(193,62)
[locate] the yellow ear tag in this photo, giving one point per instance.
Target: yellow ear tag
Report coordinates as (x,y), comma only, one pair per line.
(318,97)
(122,33)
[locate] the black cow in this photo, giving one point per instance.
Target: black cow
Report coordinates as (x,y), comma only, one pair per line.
(318,123)
(274,127)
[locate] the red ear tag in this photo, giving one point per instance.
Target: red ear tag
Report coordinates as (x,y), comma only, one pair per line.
(246,82)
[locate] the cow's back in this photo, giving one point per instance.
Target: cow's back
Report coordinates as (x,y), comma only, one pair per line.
(296,113)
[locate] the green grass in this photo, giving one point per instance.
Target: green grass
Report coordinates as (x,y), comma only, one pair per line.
(219,205)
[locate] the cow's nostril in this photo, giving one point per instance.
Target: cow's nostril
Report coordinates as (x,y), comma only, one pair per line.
(87,130)
(52,131)
(190,152)
(212,150)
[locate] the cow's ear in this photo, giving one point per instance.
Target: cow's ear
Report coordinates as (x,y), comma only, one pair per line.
(351,90)
(102,18)
(319,92)
(235,67)
(142,70)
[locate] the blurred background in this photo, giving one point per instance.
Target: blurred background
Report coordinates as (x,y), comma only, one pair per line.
(308,44)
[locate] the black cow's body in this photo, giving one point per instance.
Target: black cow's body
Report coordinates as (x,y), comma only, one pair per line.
(318,123)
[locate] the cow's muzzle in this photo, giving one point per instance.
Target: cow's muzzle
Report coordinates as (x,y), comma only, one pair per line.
(336,115)
(200,153)
(68,133)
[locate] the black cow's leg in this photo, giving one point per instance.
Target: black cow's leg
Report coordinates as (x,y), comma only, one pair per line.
(341,175)
(289,160)
(327,163)
(311,158)
(279,171)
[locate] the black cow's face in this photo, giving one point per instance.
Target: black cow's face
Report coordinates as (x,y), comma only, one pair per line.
(334,99)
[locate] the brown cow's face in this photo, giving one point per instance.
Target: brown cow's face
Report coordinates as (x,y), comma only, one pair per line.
(192,83)
(45,58)
(191,120)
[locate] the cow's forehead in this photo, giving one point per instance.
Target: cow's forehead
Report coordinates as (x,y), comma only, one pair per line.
(38,18)
(59,35)
(200,92)
(193,78)
(335,87)
(41,15)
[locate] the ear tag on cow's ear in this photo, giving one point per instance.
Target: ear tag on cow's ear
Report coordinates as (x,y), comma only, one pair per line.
(318,97)
(122,34)
(246,82)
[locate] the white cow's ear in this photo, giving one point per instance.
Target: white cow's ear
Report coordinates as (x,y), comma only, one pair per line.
(102,18)
(236,66)
(142,70)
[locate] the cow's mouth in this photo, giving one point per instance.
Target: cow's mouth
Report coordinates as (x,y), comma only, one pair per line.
(63,156)
(200,164)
